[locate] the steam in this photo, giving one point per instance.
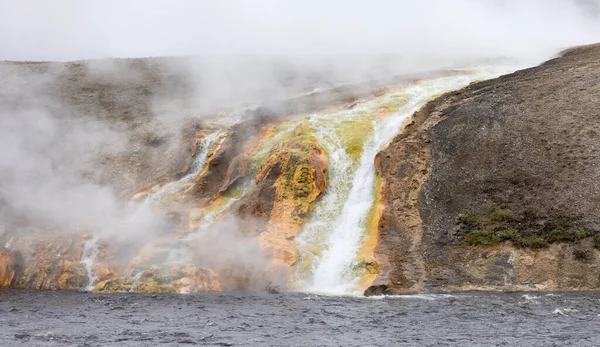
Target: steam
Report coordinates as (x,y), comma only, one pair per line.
(225,249)
(53,152)
(306,28)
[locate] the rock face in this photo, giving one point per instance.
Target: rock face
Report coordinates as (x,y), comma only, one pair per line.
(229,162)
(177,279)
(288,184)
(137,97)
(496,185)
(50,262)
(7,268)
(300,170)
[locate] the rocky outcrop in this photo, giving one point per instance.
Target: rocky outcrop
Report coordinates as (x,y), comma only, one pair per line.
(51,262)
(300,182)
(228,164)
(176,279)
(72,275)
(495,186)
(8,268)
(289,182)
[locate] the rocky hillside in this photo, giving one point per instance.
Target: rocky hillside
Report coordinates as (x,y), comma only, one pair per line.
(138,175)
(132,126)
(497,185)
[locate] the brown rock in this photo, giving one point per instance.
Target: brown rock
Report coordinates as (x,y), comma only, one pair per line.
(524,142)
(72,275)
(176,279)
(289,182)
(44,258)
(7,268)
(228,164)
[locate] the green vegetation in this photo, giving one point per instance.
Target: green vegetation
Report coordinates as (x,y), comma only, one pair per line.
(526,230)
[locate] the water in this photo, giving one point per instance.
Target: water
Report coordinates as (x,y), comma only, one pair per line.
(9,242)
(136,281)
(198,162)
(180,254)
(332,240)
(88,257)
(67,318)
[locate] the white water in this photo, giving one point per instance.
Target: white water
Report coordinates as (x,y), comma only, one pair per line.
(9,242)
(339,221)
(88,257)
(202,151)
(136,281)
(179,253)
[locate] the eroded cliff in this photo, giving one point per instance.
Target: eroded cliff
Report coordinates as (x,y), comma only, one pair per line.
(495,186)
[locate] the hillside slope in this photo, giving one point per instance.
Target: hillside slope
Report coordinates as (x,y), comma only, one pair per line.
(496,186)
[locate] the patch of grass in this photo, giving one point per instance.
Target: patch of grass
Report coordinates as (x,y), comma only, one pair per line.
(526,230)
(597,241)
(533,242)
(481,238)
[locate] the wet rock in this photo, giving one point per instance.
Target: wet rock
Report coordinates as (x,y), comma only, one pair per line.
(7,268)
(176,279)
(300,169)
(72,275)
(115,285)
(376,290)
(228,163)
(273,289)
(45,258)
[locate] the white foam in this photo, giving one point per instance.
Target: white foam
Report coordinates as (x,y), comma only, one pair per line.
(9,242)
(88,258)
(136,281)
(564,311)
(202,151)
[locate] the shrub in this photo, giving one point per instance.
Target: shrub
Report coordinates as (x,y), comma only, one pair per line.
(581,255)
(527,230)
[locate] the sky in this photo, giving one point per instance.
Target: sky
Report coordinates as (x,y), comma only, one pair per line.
(82,29)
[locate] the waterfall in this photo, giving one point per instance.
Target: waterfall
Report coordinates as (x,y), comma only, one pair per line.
(330,242)
(136,281)
(9,242)
(179,253)
(202,152)
(88,257)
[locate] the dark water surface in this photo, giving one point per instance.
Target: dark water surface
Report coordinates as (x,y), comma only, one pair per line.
(472,319)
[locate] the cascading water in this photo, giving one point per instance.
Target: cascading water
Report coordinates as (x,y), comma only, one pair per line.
(330,244)
(179,253)
(9,242)
(136,281)
(202,151)
(88,257)
(331,241)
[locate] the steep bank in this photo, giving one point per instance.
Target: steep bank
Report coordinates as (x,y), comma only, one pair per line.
(495,186)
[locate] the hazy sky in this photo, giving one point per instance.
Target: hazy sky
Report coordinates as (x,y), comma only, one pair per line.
(75,29)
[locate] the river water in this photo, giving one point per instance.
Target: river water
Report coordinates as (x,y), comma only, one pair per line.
(68,318)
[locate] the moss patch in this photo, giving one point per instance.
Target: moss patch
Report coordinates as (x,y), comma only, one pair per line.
(526,230)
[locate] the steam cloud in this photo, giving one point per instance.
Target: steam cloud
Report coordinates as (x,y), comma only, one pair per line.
(246,52)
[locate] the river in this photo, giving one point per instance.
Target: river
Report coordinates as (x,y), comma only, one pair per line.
(68,318)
